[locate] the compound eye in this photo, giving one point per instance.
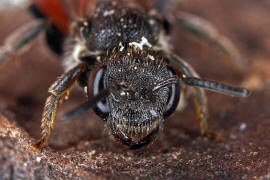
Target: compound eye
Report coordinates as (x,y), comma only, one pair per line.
(95,86)
(174,96)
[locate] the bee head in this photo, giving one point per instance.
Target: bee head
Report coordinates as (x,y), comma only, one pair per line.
(140,94)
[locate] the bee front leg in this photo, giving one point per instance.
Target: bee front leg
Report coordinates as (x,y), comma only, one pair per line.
(58,92)
(204,30)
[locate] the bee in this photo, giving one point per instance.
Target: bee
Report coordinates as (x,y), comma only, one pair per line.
(119,53)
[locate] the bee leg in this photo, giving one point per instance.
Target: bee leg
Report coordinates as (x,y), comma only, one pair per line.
(204,30)
(58,92)
(184,69)
(19,39)
(161,5)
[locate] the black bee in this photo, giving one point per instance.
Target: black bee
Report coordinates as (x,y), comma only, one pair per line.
(118,51)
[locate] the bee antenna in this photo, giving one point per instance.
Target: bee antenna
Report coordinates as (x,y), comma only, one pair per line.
(206,84)
(86,106)
(215,86)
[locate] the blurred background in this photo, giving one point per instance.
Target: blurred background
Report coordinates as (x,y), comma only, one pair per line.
(7,5)
(82,148)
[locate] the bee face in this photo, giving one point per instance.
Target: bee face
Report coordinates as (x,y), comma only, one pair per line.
(135,109)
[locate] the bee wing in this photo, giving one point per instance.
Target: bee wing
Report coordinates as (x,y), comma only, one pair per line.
(63,12)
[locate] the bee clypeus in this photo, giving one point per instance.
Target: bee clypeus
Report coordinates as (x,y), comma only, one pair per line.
(118,51)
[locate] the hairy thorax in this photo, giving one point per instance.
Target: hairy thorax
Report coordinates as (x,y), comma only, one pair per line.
(120,23)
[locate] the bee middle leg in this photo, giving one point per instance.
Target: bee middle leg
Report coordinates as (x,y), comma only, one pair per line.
(58,92)
(204,30)
(200,100)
